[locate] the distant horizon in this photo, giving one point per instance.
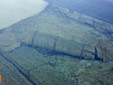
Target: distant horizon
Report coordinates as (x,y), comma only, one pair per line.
(99,9)
(12,11)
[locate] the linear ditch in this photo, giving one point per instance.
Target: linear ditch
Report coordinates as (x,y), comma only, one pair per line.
(45,52)
(20,71)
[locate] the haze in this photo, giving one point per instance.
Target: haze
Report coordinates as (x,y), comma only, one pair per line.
(12,11)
